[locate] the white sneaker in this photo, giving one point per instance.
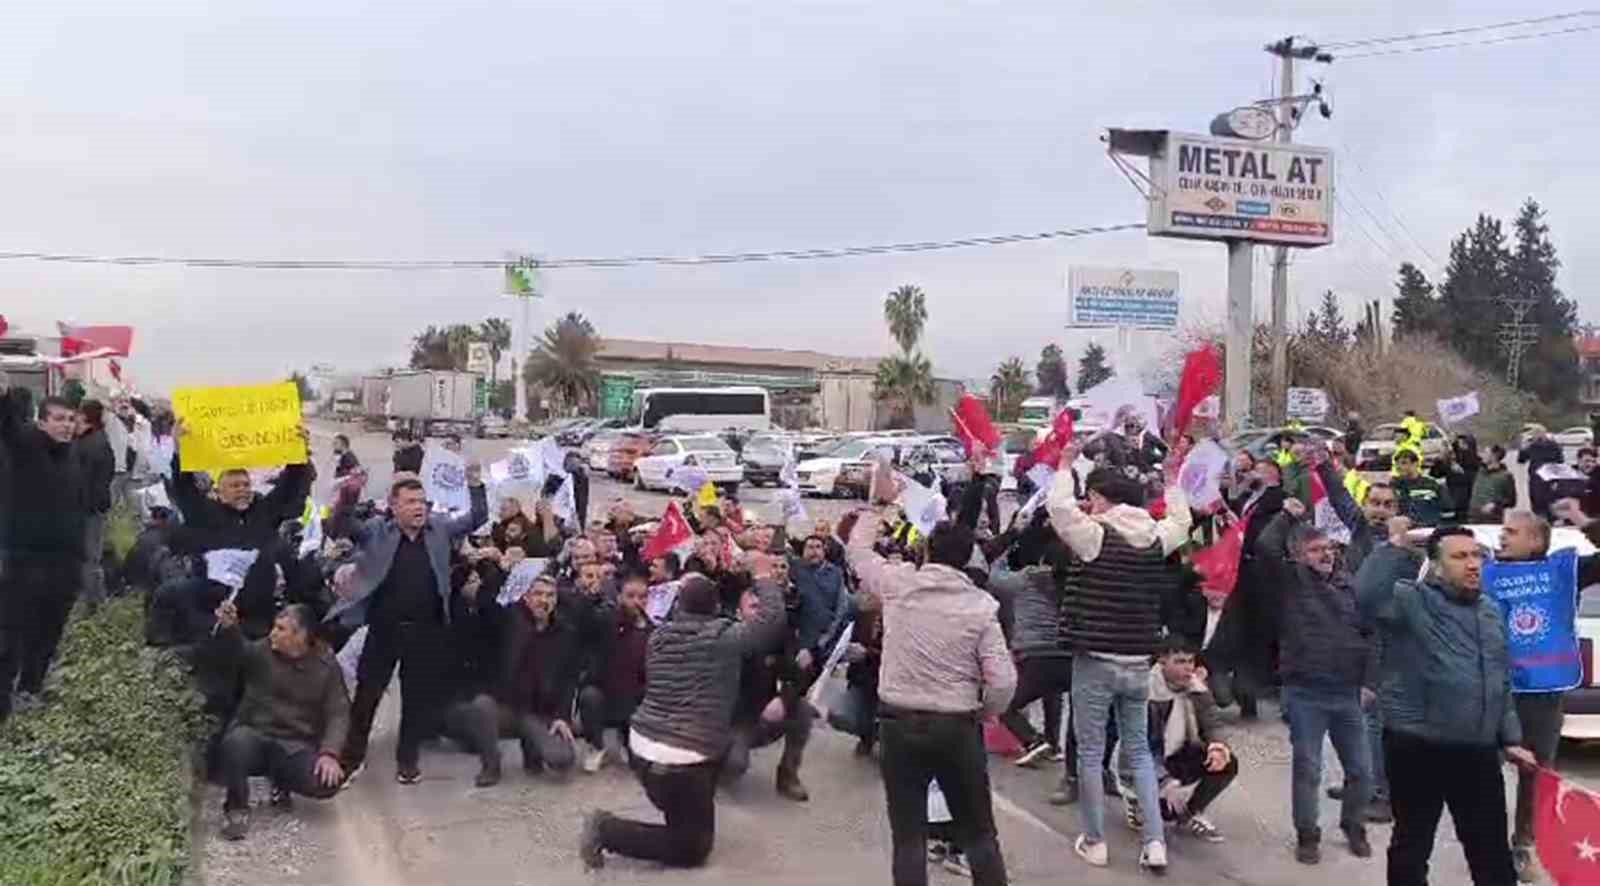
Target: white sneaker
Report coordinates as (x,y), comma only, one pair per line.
(1154,857)
(1093,853)
(593,759)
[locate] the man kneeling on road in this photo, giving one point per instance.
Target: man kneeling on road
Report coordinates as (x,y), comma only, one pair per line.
(771,706)
(291,723)
(1185,745)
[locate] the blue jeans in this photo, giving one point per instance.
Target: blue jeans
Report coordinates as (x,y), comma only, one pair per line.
(1380,779)
(1099,689)
(1335,713)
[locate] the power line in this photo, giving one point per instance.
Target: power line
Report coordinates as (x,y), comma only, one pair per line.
(556,263)
(1452,32)
(1467,43)
(1371,180)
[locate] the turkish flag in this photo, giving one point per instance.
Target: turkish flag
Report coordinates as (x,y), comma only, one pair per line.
(1202,375)
(3,324)
(1218,564)
(1566,820)
(1048,452)
(973,425)
(117,339)
(116,369)
(673,533)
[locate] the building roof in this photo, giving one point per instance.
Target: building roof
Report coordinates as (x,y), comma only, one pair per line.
(730,355)
(1589,345)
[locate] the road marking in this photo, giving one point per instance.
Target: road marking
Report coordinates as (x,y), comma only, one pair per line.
(1011,808)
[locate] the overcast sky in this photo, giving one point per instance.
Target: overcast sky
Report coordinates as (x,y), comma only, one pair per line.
(337,130)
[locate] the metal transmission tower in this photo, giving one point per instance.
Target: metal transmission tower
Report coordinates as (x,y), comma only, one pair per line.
(1517,336)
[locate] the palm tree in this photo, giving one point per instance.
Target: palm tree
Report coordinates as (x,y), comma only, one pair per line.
(563,364)
(906,311)
(496,333)
(904,382)
(1008,387)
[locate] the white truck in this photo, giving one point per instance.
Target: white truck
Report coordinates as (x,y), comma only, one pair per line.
(434,402)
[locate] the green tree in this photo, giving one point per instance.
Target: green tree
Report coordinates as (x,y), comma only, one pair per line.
(1008,387)
(1326,327)
(1416,310)
(442,347)
(73,392)
(1550,366)
(563,365)
(906,311)
(496,333)
(303,385)
(904,382)
(1472,296)
(1052,373)
(503,397)
(1092,367)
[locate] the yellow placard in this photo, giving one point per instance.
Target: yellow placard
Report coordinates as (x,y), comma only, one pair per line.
(250,426)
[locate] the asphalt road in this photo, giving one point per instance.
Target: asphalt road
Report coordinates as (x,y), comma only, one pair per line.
(524,831)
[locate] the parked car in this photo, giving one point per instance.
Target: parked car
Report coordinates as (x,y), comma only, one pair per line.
(1377,451)
(596,451)
(1255,440)
(1575,437)
(493,427)
(820,475)
(625,451)
(710,453)
(764,457)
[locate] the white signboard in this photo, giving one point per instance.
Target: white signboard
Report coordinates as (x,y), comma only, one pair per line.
(1307,403)
(479,357)
(1132,298)
(1228,189)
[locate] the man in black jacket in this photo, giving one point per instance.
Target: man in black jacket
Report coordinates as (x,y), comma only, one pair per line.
(44,546)
(539,663)
(616,675)
(1329,667)
(291,721)
(407,453)
(680,733)
(477,623)
(1539,452)
(772,705)
(98,466)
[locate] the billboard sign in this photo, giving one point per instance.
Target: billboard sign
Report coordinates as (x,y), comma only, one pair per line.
(1227,189)
(1129,298)
(479,357)
(1307,403)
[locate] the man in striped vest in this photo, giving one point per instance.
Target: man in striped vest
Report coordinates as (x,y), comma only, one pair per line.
(1113,614)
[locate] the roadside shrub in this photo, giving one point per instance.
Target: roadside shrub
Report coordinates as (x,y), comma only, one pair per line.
(95,784)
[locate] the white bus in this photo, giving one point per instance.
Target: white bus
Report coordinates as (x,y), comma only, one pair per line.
(703,409)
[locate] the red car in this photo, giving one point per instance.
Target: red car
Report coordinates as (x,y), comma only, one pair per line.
(625,450)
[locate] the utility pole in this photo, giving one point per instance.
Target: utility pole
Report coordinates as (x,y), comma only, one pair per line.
(1517,336)
(1288,117)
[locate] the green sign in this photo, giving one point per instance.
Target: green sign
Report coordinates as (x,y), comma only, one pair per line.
(616,397)
(480,395)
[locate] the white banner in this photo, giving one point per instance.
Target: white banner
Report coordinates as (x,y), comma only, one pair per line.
(520,580)
(1223,189)
(1201,474)
(444,479)
(1131,298)
(1453,410)
(228,566)
(1107,404)
(1307,403)
(924,508)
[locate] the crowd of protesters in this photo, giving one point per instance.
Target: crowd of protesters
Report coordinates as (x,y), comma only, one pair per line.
(590,644)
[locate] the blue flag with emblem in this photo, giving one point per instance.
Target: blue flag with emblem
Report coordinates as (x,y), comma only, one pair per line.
(1539,603)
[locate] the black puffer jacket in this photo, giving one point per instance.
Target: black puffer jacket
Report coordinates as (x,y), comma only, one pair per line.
(98,465)
(692,673)
(1324,643)
(1030,609)
(46,486)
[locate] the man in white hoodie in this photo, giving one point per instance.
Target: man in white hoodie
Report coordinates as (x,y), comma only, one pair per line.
(1113,622)
(128,432)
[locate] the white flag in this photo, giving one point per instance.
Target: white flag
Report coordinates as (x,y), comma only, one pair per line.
(564,504)
(228,566)
(1201,474)
(1553,473)
(520,580)
(1043,479)
(553,457)
(444,479)
(791,506)
(1453,410)
(688,479)
(923,507)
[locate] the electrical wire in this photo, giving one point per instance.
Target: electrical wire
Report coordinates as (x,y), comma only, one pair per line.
(557,263)
(1452,32)
(1468,43)
(1369,179)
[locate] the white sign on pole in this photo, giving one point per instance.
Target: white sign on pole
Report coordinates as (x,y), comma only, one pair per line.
(1128,298)
(1227,189)
(479,357)
(1307,403)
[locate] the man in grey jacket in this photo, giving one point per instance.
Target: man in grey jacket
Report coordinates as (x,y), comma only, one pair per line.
(945,667)
(1448,714)
(680,732)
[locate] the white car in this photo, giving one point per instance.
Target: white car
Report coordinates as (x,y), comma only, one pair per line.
(1575,437)
(706,452)
(820,475)
(597,451)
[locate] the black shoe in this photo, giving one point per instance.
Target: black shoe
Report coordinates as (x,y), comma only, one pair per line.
(408,775)
(1033,752)
(235,824)
(790,787)
(1066,793)
(1335,792)
(488,776)
(590,850)
(1379,811)
(1359,847)
(1308,849)
(281,798)
(864,747)
(351,773)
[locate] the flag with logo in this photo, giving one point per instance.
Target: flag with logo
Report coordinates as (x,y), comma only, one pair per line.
(673,535)
(444,479)
(1454,410)
(1566,825)
(1201,474)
